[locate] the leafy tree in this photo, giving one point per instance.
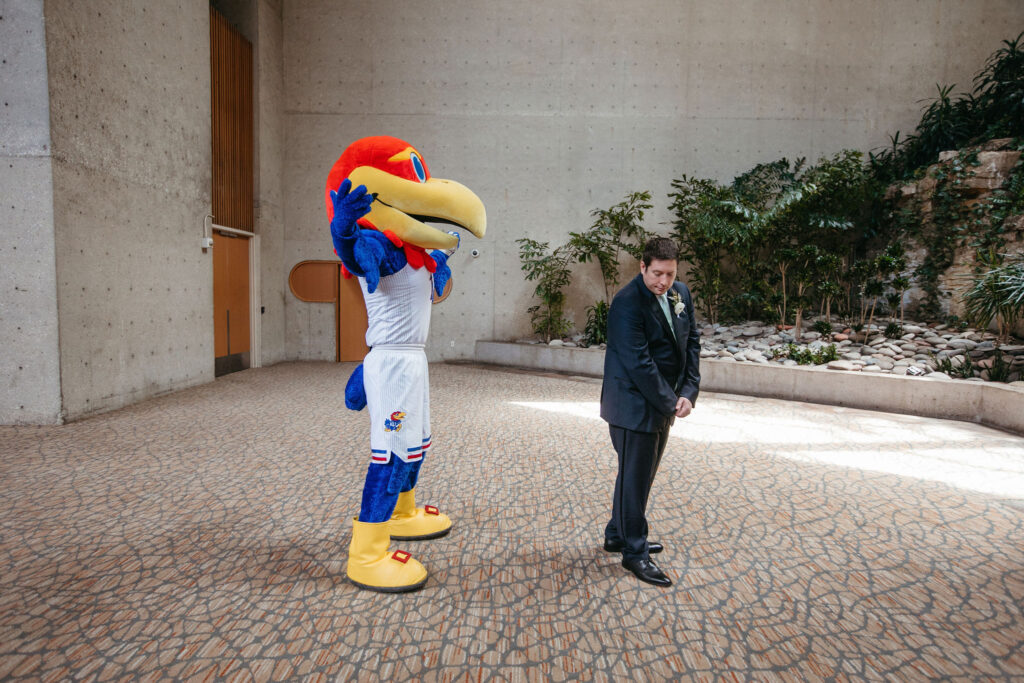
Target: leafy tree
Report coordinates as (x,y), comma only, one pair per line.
(807,266)
(817,206)
(707,234)
(614,231)
(550,269)
(828,286)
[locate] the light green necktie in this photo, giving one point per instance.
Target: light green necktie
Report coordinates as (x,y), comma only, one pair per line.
(663,300)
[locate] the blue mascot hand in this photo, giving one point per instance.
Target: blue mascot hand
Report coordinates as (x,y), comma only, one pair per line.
(355,390)
(349,206)
(443,272)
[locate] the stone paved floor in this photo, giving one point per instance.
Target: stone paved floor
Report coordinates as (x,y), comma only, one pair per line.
(203,535)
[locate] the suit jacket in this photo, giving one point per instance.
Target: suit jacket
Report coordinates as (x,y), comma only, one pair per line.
(646,369)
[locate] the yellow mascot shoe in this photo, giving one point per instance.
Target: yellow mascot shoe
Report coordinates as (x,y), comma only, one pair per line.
(410,523)
(371,566)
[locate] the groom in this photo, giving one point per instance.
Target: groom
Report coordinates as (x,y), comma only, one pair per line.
(651,377)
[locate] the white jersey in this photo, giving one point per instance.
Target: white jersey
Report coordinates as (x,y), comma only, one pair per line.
(398,312)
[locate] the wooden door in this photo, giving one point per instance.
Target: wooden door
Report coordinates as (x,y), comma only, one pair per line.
(232,190)
(321,282)
(230,295)
(351,321)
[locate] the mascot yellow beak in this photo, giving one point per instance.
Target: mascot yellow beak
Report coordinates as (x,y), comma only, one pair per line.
(402,205)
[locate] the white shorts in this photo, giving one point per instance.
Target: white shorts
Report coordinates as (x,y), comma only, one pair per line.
(398,397)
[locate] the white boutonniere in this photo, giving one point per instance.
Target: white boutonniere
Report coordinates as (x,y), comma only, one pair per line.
(678,307)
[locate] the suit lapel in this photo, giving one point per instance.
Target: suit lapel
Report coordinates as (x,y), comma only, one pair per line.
(677,323)
(657,310)
(659,313)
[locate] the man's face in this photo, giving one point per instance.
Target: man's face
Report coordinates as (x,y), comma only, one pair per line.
(659,276)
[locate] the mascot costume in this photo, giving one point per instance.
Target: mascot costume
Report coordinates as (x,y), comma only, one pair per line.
(401,263)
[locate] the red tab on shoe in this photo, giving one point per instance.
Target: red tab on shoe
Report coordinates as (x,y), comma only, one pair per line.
(400,556)
(431,510)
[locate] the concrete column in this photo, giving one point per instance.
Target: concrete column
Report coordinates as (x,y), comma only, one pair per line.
(30,358)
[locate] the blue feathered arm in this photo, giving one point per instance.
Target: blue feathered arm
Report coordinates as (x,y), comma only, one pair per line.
(365,253)
(443,273)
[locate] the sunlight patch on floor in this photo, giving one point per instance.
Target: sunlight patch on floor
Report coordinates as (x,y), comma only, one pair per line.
(960,454)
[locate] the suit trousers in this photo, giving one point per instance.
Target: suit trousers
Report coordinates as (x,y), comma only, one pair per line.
(639,456)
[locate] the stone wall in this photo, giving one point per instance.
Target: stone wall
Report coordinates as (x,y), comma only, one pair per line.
(994,163)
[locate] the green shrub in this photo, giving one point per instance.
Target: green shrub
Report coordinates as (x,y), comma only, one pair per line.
(1000,370)
(807,356)
(550,270)
(997,295)
(945,365)
(596,331)
(822,327)
(994,109)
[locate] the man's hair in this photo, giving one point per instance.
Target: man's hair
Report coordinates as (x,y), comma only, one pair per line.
(660,248)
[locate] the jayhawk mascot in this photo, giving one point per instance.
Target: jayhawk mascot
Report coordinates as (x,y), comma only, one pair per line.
(380,236)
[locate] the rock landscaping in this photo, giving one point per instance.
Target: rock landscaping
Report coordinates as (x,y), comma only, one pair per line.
(935,351)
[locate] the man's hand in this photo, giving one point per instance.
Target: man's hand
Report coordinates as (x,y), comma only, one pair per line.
(683,407)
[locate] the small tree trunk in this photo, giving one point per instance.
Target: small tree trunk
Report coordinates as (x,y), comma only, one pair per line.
(782,270)
(871,319)
(798,320)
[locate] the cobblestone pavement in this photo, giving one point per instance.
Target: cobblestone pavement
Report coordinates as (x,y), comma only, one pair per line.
(203,535)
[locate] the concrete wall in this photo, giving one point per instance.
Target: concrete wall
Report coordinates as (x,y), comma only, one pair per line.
(270,121)
(130,121)
(30,361)
(550,110)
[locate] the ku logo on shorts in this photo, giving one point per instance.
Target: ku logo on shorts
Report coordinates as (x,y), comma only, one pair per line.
(394,424)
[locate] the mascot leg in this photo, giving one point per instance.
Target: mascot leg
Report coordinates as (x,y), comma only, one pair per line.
(370,565)
(410,523)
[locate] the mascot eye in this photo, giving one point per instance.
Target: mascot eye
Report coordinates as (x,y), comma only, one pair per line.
(417,166)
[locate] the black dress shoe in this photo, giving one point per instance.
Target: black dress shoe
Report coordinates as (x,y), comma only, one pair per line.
(647,571)
(616,547)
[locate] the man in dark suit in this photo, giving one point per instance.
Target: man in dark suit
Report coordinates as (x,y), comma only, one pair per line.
(651,377)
